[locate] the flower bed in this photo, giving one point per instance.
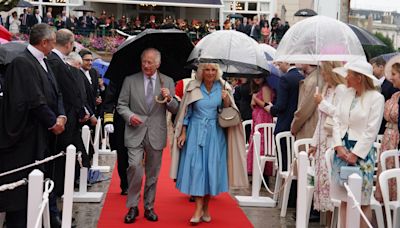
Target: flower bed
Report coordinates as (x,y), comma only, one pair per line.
(108,44)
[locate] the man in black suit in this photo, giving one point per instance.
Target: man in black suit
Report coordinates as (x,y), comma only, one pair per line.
(255,31)
(286,103)
(85,24)
(93,90)
(74,104)
(387,89)
(33,112)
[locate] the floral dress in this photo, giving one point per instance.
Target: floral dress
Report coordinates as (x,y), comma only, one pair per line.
(322,140)
(390,141)
(259,115)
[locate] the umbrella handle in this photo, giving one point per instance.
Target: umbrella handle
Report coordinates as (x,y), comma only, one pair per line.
(161,101)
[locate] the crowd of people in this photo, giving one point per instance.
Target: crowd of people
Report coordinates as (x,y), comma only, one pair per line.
(63,92)
(259,29)
(43,111)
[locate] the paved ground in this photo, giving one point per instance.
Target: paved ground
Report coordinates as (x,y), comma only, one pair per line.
(87,214)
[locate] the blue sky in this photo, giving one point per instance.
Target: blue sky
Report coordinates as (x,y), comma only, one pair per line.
(385,5)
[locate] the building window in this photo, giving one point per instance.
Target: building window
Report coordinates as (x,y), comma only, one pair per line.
(239,6)
(252,6)
(229,6)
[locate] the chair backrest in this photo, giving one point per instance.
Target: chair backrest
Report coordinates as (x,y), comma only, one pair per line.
(395,154)
(267,132)
(329,159)
(289,140)
(244,124)
(383,181)
(379,138)
(377,147)
(302,142)
(86,138)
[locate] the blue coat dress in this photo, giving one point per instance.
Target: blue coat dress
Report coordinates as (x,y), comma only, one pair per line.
(203,159)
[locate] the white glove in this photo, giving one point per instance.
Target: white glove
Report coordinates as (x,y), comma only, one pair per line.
(109,128)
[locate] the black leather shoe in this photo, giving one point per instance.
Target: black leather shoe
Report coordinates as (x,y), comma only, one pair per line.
(55,221)
(150,215)
(132,214)
(124,192)
(191,199)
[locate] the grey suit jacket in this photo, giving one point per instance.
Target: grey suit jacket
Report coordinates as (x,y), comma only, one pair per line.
(132,102)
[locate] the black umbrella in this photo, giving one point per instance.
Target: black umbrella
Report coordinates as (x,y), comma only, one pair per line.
(174,45)
(236,16)
(84,8)
(24,4)
(365,37)
(11,50)
(305,13)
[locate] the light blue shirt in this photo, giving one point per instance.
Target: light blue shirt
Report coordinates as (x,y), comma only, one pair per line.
(147,80)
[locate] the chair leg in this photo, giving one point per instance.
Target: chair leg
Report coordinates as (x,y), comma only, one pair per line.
(379,215)
(285,197)
(310,196)
(278,184)
(335,217)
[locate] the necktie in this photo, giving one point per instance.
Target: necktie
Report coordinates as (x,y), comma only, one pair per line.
(149,95)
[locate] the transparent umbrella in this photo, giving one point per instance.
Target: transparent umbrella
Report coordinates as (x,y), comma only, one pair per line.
(319,38)
(235,52)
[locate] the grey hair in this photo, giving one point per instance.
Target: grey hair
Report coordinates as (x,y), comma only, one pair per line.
(201,66)
(155,51)
(64,36)
(40,32)
(73,57)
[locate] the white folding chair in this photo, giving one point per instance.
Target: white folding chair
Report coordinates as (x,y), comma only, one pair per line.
(267,132)
(387,154)
(390,205)
(244,124)
(283,175)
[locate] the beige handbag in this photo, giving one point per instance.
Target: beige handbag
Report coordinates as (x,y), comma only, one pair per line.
(228,117)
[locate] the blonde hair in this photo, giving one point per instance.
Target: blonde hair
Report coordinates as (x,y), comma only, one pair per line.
(328,66)
(201,66)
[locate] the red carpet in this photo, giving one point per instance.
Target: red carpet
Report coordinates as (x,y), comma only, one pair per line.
(172,207)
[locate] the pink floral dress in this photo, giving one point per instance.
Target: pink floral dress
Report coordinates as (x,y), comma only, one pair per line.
(389,142)
(259,115)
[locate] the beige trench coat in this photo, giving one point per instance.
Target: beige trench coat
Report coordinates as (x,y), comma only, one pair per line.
(237,174)
(306,117)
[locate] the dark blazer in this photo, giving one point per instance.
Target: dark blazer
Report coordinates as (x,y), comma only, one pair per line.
(30,108)
(92,90)
(287,98)
(387,90)
(256,33)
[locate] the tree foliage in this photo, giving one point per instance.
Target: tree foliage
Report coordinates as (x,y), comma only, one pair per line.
(373,51)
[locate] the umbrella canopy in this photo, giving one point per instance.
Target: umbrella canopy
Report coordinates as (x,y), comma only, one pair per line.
(24,4)
(365,37)
(389,64)
(305,13)
(236,16)
(11,50)
(4,33)
(237,53)
(3,41)
(388,56)
(174,45)
(269,51)
(319,38)
(84,8)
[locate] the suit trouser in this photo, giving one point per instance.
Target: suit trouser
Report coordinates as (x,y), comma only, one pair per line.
(151,167)
(117,143)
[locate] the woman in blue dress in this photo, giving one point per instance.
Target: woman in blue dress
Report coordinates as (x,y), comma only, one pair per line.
(202,170)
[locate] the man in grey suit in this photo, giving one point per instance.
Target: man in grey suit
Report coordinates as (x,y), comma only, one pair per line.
(145,129)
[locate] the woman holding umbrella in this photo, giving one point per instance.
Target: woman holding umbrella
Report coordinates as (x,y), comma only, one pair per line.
(206,150)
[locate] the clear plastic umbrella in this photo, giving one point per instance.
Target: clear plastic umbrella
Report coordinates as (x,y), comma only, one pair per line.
(237,53)
(269,51)
(319,38)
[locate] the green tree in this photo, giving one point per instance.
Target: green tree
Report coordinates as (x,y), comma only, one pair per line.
(373,51)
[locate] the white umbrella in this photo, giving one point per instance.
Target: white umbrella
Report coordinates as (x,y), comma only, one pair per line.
(269,51)
(237,53)
(319,38)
